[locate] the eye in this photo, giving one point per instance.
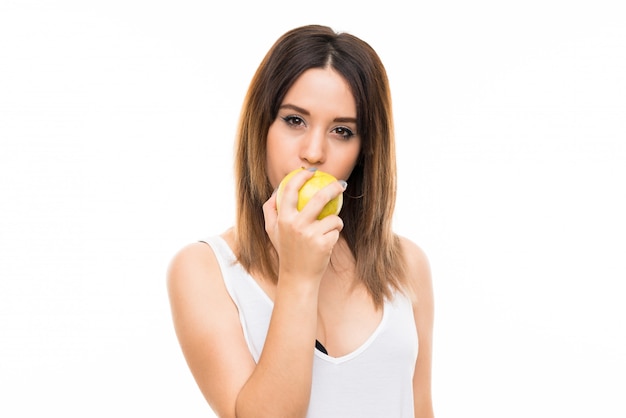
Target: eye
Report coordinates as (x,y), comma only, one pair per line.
(344,132)
(293,120)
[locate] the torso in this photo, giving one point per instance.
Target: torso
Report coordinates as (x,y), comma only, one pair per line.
(346,315)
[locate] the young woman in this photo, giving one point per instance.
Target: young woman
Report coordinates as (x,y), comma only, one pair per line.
(285,315)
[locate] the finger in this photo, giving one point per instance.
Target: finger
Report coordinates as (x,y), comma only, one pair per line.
(330,229)
(289,197)
(330,223)
(317,202)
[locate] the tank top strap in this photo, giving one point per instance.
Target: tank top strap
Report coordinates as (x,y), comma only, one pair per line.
(253,304)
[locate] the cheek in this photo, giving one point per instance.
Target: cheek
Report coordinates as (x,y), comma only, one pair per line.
(355,153)
(273,175)
(275,140)
(349,160)
(273,157)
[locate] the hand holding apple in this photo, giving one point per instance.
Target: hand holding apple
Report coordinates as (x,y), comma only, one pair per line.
(319,180)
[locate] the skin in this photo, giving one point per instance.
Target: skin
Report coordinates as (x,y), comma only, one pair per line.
(315,128)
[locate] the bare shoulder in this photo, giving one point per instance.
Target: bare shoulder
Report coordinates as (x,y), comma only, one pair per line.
(417,266)
(193,275)
(191,257)
(196,264)
(196,291)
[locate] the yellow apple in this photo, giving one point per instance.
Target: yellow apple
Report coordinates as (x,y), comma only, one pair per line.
(319,180)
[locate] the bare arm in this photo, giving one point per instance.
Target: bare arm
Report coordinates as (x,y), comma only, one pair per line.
(281,383)
(208,328)
(418,270)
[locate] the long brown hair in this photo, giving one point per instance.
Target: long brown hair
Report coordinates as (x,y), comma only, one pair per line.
(369,200)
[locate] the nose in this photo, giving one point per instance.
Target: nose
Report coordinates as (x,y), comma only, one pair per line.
(313,147)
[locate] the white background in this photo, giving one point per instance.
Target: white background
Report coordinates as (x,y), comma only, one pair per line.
(116,126)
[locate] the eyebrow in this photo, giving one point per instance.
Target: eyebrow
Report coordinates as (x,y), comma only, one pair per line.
(307,113)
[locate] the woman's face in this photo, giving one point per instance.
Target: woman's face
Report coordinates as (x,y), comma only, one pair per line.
(315,127)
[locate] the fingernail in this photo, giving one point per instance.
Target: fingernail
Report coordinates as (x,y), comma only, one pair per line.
(312,169)
(344,184)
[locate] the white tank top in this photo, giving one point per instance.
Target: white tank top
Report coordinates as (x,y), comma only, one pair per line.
(376,380)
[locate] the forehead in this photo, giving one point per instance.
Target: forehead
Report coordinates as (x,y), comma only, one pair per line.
(323,87)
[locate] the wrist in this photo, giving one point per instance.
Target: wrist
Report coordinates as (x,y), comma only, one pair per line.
(298,285)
